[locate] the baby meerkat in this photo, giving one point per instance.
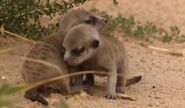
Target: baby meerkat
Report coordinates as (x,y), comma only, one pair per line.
(49,49)
(93,52)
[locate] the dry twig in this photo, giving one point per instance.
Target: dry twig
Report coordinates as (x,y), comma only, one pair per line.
(172,52)
(2,30)
(124,96)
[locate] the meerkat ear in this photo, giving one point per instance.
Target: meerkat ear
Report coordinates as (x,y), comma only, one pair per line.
(91,20)
(95,43)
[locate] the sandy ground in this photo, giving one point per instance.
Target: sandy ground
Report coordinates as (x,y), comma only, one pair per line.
(162,85)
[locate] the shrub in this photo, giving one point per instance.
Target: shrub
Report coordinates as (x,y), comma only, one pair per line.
(23,16)
(130,27)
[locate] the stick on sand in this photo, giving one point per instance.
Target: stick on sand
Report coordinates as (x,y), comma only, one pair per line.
(172,52)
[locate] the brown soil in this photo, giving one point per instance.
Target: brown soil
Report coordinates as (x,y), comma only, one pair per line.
(162,85)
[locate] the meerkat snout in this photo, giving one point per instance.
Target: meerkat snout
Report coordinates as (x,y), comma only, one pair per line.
(74,56)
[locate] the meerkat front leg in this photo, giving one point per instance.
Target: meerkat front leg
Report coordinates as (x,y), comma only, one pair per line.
(122,78)
(111,84)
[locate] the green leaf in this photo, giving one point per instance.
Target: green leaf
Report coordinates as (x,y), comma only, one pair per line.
(174,31)
(6,92)
(6,89)
(150,29)
(139,32)
(166,38)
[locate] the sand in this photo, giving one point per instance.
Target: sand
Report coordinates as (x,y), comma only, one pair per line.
(162,85)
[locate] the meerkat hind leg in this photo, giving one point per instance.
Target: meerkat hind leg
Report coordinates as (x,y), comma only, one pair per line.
(121,80)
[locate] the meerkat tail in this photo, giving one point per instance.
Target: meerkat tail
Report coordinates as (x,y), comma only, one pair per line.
(36,98)
(133,80)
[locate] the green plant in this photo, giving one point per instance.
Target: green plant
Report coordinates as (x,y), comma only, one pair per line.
(166,38)
(130,27)
(174,31)
(126,24)
(174,34)
(150,29)
(6,92)
(139,32)
(146,30)
(23,16)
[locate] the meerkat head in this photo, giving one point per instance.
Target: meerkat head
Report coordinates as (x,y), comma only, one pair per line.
(81,42)
(80,16)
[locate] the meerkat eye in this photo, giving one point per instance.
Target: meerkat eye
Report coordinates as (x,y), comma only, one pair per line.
(63,49)
(78,51)
(91,20)
(95,43)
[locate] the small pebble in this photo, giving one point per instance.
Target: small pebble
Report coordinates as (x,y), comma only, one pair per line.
(150,105)
(3,77)
(153,87)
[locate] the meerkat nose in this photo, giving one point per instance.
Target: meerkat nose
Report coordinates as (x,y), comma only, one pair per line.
(65,61)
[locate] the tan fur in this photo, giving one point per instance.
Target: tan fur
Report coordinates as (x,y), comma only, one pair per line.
(50,49)
(110,56)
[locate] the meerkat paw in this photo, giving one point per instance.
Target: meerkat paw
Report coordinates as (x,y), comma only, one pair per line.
(120,89)
(112,95)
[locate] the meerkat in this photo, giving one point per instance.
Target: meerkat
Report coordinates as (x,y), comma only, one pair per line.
(49,49)
(90,51)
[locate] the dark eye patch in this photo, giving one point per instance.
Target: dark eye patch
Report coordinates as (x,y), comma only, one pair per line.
(95,43)
(77,51)
(92,20)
